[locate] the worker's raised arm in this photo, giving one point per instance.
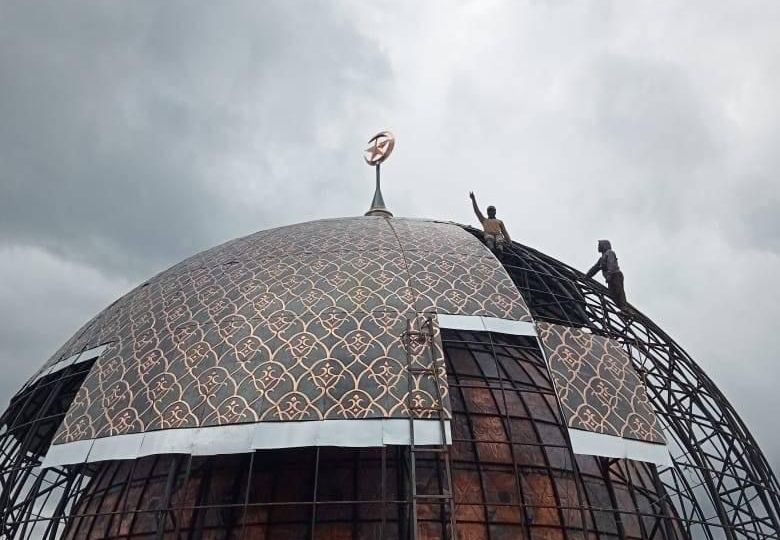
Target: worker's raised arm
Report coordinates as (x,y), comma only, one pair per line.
(480,217)
(506,234)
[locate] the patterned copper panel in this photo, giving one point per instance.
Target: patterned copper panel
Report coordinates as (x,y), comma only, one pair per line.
(303,322)
(598,388)
(433,237)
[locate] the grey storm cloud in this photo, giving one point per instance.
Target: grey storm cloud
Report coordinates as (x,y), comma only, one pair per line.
(135,134)
(130,130)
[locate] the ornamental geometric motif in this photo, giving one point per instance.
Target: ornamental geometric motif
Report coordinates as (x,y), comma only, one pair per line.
(597,387)
(304,322)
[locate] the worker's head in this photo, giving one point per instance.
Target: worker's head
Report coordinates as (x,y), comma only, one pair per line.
(491,210)
(604,245)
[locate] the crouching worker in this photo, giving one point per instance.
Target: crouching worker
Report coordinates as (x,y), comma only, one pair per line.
(494,232)
(608,264)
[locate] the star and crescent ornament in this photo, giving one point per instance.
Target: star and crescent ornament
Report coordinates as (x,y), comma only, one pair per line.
(380,147)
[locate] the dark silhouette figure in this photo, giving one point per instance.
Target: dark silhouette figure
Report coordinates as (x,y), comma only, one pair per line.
(493,230)
(608,264)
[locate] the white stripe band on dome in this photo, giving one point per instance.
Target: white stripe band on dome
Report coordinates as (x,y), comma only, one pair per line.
(241,438)
(600,444)
(477,323)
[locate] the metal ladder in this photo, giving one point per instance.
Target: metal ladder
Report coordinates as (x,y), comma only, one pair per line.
(419,334)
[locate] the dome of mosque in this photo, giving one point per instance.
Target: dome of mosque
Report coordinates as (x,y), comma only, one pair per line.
(376,377)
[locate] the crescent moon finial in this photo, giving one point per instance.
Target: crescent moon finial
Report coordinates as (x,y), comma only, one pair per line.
(380,147)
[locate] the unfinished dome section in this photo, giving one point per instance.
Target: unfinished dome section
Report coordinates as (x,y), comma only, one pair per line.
(719,484)
(375,378)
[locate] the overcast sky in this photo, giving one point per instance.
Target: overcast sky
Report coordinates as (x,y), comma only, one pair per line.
(134,134)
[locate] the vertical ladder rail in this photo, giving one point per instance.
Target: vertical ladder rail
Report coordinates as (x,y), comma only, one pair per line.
(412,476)
(429,366)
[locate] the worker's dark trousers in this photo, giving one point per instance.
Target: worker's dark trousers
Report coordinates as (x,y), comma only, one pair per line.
(616,289)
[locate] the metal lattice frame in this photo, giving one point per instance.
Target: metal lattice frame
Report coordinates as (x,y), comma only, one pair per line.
(507,424)
(35,501)
(720,483)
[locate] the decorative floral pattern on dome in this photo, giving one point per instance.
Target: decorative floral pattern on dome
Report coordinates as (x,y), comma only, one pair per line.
(297,323)
(598,389)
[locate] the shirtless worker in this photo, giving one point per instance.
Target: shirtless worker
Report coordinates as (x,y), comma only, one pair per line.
(494,232)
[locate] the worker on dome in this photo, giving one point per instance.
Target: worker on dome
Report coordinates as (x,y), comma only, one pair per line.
(608,264)
(494,232)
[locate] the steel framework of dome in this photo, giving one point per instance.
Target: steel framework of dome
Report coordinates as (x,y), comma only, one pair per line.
(468,438)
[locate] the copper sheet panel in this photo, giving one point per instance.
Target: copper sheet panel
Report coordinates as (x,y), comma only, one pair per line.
(303,322)
(597,386)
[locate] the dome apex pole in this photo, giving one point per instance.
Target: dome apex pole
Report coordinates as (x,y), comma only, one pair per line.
(381,146)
